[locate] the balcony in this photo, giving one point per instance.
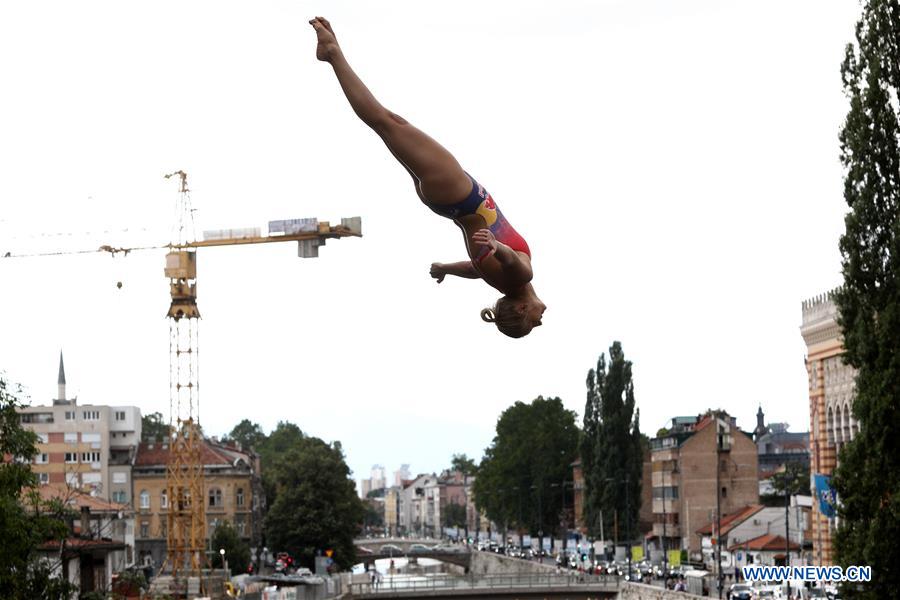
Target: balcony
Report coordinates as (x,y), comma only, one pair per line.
(671,530)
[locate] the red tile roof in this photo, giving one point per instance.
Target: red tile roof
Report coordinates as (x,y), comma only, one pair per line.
(732,520)
(79,499)
(74,544)
(765,542)
(155,453)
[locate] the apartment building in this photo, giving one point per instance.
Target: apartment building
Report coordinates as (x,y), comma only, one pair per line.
(84,446)
(702,464)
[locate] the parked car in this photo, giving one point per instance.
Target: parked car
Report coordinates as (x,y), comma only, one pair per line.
(392,550)
(418,548)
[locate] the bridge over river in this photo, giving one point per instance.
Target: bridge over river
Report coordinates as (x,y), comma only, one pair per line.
(573,586)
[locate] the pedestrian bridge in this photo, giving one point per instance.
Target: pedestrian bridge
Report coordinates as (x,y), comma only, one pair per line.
(375,544)
(563,585)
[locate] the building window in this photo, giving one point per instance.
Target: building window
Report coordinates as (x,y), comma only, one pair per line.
(239,525)
(90,457)
(90,415)
(70,415)
(44,478)
(239,497)
(41,459)
(120,415)
(43,438)
(120,477)
(71,438)
(37,417)
(145,529)
(164,499)
(145,500)
(215,498)
(71,457)
(120,497)
(665,492)
(724,492)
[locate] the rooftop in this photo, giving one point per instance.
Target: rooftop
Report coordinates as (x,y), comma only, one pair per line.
(732,520)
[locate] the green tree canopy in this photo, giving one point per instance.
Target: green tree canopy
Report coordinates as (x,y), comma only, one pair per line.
(463,464)
(868,303)
(612,452)
(316,507)
(522,477)
(248,434)
(454,515)
(26,521)
(237,552)
(154,427)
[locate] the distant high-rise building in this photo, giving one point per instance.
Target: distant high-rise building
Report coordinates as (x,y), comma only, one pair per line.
(401,475)
(376,481)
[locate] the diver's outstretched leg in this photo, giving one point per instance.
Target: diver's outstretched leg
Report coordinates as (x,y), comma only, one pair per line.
(441,180)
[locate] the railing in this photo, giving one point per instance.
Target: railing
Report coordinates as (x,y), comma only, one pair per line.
(414,585)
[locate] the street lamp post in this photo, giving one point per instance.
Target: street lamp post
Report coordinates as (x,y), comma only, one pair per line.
(224,568)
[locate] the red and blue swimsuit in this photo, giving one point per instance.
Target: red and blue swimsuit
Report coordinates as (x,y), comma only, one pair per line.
(479,202)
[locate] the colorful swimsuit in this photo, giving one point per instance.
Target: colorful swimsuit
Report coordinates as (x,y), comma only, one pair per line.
(479,202)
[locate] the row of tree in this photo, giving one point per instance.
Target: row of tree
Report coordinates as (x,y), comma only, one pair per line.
(526,473)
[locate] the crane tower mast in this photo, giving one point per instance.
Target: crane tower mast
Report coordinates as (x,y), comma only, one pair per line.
(186,518)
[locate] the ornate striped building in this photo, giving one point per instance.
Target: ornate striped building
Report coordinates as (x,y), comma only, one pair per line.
(831,389)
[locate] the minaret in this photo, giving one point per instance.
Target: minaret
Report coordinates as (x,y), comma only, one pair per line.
(760,424)
(61,381)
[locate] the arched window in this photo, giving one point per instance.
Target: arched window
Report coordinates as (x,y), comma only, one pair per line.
(239,497)
(829,426)
(846,423)
(164,499)
(838,436)
(145,499)
(215,498)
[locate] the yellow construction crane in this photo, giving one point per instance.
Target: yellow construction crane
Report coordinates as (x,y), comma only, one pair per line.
(186,519)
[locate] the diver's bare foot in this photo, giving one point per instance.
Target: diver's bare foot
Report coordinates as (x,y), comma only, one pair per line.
(328,47)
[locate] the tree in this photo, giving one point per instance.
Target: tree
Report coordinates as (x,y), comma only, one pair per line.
(374,514)
(521,479)
(463,464)
(316,507)
(454,515)
(237,552)
(868,303)
(26,521)
(154,428)
(794,477)
(248,434)
(611,450)
(271,450)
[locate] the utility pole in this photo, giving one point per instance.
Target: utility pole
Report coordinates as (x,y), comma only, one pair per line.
(787,529)
(628,525)
(665,553)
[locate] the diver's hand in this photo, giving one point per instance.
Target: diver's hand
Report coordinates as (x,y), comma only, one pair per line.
(484,237)
(438,272)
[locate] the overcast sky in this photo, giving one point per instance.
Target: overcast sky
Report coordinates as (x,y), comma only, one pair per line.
(673,166)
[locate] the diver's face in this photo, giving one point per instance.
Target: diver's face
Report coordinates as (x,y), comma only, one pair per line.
(535,313)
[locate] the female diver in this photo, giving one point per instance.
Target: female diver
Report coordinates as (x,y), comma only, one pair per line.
(498,254)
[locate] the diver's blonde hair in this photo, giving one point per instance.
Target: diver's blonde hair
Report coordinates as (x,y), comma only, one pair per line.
(507,320)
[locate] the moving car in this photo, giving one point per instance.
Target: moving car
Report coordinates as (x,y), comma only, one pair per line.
(740,591)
